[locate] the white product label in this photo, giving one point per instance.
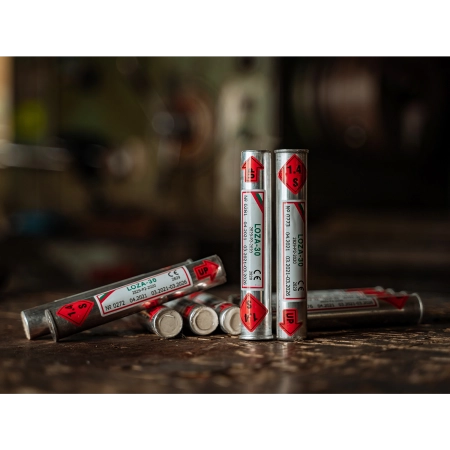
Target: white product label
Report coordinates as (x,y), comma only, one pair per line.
(252,223)
(293,254)
(143,290)
(337,299)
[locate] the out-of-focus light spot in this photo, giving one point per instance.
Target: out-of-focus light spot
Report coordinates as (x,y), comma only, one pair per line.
(120,163)
(412,126)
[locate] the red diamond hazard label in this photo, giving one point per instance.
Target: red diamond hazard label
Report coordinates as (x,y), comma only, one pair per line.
(252,312)
(293,174)
(76,312)
(398,301)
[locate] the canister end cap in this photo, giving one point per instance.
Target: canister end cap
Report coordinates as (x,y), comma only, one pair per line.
(231,321)
(169,324)
(26,326)
(204,320)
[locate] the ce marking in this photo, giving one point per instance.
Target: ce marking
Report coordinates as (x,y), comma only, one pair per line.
(173,273)
(256,277)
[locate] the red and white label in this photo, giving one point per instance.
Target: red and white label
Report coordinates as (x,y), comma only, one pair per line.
(251,169)
(143,290)
(293,250)
(76,312)
(290,323)
(252,312)
(252,233)
(207,269)
(340,299)
(293,174)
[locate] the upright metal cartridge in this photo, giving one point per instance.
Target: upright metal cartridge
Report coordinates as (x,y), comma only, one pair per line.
(72,317)
(161,320)
(256,236)
(198,319)
(228,313)
(35,323)
(291,242)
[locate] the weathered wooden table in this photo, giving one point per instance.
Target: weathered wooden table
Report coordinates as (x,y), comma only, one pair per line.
(120,357)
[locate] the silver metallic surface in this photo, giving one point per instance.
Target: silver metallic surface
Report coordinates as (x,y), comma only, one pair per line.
(202,274)
(256,242)
(34,322)
(162,321)
(198,319)
(228,313)
(341,309)
(291,243)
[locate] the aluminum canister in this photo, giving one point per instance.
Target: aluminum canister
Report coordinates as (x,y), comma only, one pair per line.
(161,320)
(291,243)
(358,307)
(75,316)
(256,238)
(35,323)
(198,319)
(228,313)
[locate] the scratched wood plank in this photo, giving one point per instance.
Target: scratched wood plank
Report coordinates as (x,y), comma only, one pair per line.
(120,357)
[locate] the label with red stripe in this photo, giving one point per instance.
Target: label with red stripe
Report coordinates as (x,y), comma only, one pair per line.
(141,291)
(252,237)
(293,241)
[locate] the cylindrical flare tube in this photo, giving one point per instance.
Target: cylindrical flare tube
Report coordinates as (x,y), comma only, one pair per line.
(291,243)
(362,307)
(162,321)
(35,323)
(256,237)
(358,307)
(228,313)
(74,317)
(198,319)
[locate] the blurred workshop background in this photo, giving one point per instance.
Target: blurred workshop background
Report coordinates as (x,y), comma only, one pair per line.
(112,167)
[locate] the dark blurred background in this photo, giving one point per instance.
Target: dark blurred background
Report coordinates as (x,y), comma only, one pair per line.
(111,167)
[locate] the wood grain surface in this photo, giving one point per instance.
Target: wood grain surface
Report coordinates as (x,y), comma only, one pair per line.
(121,357)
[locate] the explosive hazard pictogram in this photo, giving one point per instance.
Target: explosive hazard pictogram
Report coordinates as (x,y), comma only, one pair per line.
(293,174)
(252,312)
(76,312)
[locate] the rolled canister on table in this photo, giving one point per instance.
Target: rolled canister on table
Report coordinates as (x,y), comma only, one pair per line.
(352,308)
(35,323)
(198,319)
(74,317)
(256,243)
(291,243)
(228,313)
(162,321)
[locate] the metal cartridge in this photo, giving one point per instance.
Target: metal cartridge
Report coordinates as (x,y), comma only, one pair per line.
(291,243)
(352,308)
(198,319)
(35,323)
(161,320)
(356,308)
(228,313)
(75,316)
(256,238)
